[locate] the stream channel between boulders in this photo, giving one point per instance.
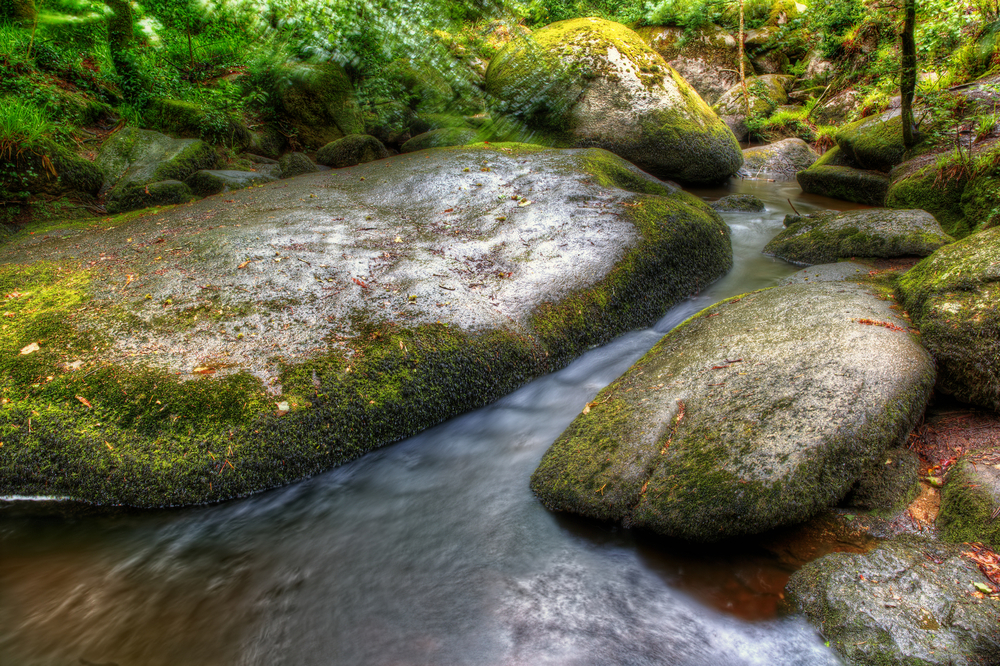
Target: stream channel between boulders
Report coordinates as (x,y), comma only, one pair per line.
(430,551)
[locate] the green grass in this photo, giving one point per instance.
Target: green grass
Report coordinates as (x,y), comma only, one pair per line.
(21,124)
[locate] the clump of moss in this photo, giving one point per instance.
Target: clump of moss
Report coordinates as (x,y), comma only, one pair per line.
(968,499)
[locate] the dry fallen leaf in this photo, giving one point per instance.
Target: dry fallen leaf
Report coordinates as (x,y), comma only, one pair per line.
(244,264)
(203,370)
(85,401)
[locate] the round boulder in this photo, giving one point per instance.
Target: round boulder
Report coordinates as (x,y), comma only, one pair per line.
(906,602)
(780,160)
(741,203)
(351,150)
(825,237)
(970,499)
(597,83)
(757,412)
(953,297)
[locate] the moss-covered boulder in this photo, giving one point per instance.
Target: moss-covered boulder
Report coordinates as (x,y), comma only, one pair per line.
(822,238)
(874,143)
(890,485)
(780,160)
(441,138)
(295,164)
(317,101)
(135,158)
(707,59)
(953,297)
(844,183)
(921,184)
(427,90)
(237,344)
(970,500)
(906,602)
(209,181)
(187,119)
(757,412)
(742,203)
(837,109)
(596,83)
(134,196)
(353,149)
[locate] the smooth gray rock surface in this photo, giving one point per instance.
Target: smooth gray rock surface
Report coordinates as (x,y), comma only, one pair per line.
(779,160)
(759,411)
(906,602)
(208,182)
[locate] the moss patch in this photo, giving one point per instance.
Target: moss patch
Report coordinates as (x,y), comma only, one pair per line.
(845,183)
(969,498)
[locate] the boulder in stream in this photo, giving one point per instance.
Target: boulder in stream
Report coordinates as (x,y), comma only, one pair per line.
(757,412)
(832,176)
(780,160)
(213,350)
(825,237)
(592,82)
(742,203)
(909,601)
(953,297)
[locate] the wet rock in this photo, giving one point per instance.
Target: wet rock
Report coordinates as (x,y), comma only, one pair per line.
(970,499)
(837,109)
(375,300)
(831,176)
(440,138)
(890,485)
(780,160)
(133,158)
(744,203)
(596,83)
(295,164)
(351,150)
(766,93)
(757,412)
(208,182)
(906,602)
(953,297)
(822,238)
(134,196)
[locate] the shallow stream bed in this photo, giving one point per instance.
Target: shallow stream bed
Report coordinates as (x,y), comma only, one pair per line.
(430,551)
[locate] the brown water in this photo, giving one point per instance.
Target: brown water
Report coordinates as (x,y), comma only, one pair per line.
(431,551)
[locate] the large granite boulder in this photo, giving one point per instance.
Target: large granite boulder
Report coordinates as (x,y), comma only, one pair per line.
(780,160)
(765,93)
(832,176)
(822,238)
(953,297)
(237,344)
(596,83)
(133,158)
(757,412)
(906,602)
(440,138)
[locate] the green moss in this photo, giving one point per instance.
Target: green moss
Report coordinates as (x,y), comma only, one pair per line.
(967,502)
(613,171)
(318,102)
(195,157)
(873,143)
(980,203)
(845,183)
(941,196)
(134,196)
(889,486)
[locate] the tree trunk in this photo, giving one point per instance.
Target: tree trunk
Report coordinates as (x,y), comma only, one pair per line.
(743,77)
(908,72)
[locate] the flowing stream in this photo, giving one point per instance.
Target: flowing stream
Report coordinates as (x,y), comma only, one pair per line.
(430,551)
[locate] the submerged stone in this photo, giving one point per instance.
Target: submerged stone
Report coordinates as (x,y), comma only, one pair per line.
(237,344)
(593,82)
(953,297)
(825,237)
(910,601)
(757,412)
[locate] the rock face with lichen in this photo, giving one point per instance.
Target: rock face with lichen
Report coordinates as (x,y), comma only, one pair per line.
(707,60)
(593,82)
(757,412)
(954,299)
(825,237)
(908,601)
(251,339)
